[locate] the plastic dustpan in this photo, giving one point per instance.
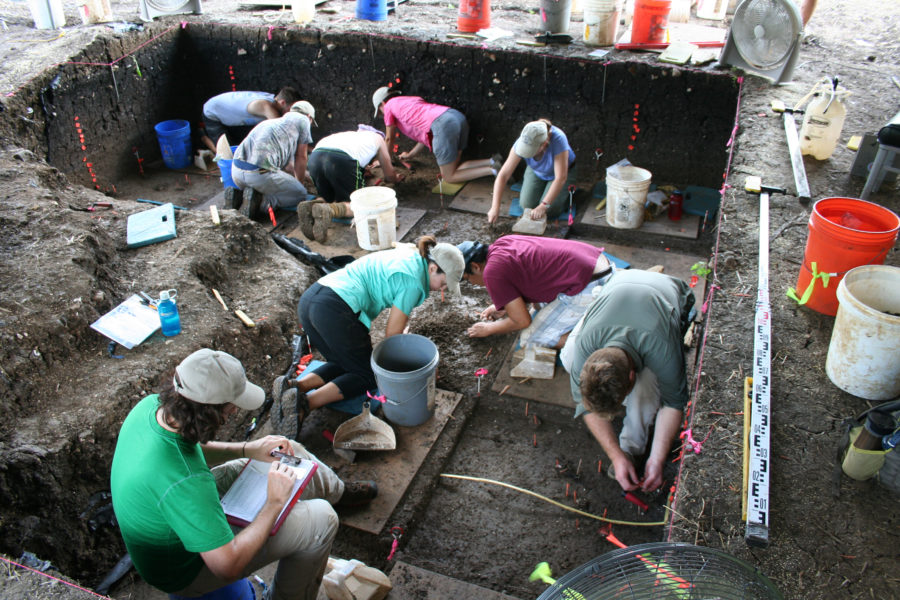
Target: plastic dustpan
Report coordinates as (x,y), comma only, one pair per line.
(365,432)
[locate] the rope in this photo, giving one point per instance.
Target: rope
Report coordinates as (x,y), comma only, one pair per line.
(63,581)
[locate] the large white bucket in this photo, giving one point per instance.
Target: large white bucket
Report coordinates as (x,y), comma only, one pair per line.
(601,22)
(864,353)
(47,14)
(626,192)
(375,214)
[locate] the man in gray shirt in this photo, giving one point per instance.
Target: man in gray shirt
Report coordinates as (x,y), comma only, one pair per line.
(625,357)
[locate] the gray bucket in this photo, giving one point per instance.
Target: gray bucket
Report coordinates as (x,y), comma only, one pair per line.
(404,367)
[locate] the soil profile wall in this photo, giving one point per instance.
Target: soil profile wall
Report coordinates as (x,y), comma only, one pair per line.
(672,121)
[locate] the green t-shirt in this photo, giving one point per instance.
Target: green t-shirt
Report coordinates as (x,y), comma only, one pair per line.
(165,500)
(642,313)
(368,285)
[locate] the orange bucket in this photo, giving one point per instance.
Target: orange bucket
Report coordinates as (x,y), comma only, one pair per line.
(473,15)
(651,21)
(844,233)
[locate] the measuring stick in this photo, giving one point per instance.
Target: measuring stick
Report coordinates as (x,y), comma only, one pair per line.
(757,531)
(793,142)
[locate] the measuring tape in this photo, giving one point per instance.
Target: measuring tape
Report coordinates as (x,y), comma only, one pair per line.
(759,443)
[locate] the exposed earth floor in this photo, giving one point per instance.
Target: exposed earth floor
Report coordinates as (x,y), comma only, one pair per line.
(830,537)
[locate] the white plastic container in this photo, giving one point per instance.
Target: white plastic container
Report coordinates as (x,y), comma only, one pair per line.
(353,580)
(712,9)
(821,128)
(303,11)
(47,14)
(601,22)
(626,192)
(864,353)
(375,215)
(680,11)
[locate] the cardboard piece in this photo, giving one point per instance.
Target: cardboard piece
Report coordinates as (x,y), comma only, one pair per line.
(151,226)
(476,198)
(687,227)
(415,582)
(533,361)
(448,189)
(393,470)
(526,224)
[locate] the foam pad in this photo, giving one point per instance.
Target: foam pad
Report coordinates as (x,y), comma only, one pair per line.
(350,406)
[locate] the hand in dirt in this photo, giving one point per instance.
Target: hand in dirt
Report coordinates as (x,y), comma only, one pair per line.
(280,482)
(398,177)
(479,330)
(492,215)
(491,313)
(262,448)
(404,156)
(652,476)
(626,474)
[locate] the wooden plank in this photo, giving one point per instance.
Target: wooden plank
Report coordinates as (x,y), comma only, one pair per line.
(413,582)
(392,470)
(476,198)
(687,227)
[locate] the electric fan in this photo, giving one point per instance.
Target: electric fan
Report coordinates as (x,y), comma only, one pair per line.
(764,38)
(151,9)
(663,571)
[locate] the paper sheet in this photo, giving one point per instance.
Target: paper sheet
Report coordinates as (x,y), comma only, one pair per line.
(128,324)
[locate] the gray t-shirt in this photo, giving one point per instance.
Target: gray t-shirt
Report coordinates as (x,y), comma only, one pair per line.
(230,108)
(272,144)
(642,313)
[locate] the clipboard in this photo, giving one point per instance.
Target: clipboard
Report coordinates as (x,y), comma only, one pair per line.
(247,495)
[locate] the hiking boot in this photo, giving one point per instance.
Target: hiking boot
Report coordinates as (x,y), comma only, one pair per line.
(611,470)
(233,198)
(322,215)
(289,410)
(252,201)
(305,216)
(357,493)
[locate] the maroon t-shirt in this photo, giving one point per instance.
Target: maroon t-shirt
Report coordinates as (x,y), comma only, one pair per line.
(537,269)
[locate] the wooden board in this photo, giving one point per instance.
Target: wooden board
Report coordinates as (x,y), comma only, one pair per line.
(556,391)
(413,582)
(476,198)
(392,470)
(342,237)
(687,227)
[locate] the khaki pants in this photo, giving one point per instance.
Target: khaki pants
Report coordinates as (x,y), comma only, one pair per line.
(303,541)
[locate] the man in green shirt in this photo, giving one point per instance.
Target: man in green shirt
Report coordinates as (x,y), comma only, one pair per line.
(625,358)
(166,497)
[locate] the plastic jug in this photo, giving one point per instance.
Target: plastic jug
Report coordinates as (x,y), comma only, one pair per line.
(353,580)
(168,313)
(303,10)
(823,122)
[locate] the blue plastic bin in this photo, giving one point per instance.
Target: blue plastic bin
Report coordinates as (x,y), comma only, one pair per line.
(371,10)
(175,143)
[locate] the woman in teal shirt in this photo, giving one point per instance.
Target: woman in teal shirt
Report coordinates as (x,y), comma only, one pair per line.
(337,311)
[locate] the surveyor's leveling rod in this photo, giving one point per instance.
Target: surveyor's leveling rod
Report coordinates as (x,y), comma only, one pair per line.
(757,531)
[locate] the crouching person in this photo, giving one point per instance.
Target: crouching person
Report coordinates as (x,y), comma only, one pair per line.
(166,496)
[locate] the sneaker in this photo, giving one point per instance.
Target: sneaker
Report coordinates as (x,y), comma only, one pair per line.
(233,198)
(322,215)
(496,162)
(611,470)
(357,493)
(250,206)
(305,216)
(289,410)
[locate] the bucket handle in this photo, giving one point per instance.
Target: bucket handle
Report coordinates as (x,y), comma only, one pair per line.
(419,391)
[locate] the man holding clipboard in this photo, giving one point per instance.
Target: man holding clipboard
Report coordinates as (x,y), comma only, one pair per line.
(166,497)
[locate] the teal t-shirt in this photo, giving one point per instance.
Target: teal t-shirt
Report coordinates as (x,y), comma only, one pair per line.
(368,285)
(165,500)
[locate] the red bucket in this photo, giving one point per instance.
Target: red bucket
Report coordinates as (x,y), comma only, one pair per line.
(844,233)
(651,21)
(473,15)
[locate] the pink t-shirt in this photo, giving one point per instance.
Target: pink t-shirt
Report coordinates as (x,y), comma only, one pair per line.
(412,116)
(537,269)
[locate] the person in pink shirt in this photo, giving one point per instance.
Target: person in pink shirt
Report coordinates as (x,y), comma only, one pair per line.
(441,129)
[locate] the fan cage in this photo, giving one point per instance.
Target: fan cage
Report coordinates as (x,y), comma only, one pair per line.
(657,571)
(764,32)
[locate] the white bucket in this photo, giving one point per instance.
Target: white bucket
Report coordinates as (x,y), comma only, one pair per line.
(864,353)
(626,192)
(712,9)
(375,214)
(47,14)
(601,22)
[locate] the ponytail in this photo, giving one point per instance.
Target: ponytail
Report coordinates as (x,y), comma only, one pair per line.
(424,244)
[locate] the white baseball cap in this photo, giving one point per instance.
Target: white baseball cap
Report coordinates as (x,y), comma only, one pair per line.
(451,262)
(214,377)
(533,135)
(305,108)
(379,96)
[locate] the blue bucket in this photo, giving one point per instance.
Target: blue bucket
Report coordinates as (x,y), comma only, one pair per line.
(225,171)
(175,143)
(371,10)
(404,367)
(241,589)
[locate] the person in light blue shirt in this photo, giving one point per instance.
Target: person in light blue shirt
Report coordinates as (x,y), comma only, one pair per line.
(549,172)
(337,312)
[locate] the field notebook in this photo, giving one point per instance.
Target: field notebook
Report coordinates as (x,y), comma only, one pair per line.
(247,495)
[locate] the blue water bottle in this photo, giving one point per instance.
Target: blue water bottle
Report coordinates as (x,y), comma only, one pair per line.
(168,313)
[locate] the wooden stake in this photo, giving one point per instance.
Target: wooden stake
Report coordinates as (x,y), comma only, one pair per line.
(503,391)
(219,297)
(244,318)
(214,214)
